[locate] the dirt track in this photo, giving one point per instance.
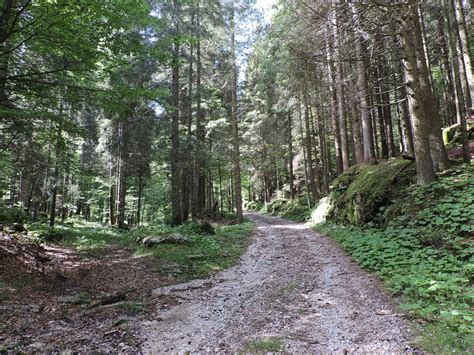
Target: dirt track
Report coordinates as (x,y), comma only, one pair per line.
(293,285)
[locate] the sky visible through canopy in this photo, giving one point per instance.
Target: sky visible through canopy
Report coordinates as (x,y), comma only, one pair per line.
(266,7)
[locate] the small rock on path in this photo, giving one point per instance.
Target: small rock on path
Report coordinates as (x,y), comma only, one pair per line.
(292,284)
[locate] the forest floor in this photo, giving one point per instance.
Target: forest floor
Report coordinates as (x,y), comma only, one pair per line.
(82,302)
(91,289)
(293,290)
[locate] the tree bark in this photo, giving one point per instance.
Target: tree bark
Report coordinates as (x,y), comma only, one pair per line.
(449,87)
(420,121)
(334,106)
(139,202)
(199,173)
(55,181)
(340,97)
(356,125)
(5,15)
(176,211)
(362,84)
(309,149)
(234,123)
(291,175)
(122,201)
(438,150)
(323,147)
(464,49)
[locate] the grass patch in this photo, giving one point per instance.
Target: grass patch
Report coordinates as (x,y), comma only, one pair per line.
(437,338)
(210,249)
(81,235)
(264,345)
(19,282)
(296,210)
(132,308)
(285,291)
(5,295)
(203,255)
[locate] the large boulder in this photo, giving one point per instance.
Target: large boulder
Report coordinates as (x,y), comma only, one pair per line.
(453,133)
(18,228)
(174,238)
(363,193)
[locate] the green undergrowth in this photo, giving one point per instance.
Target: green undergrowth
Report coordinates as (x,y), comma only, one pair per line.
(424,253)
(206,251)
(202,255)
(263,346)
(296,210)
(76,233)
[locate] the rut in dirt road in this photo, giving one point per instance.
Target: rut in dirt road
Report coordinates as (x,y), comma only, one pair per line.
(292,285)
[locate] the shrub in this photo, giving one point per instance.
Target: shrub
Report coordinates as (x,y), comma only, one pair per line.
(12,215)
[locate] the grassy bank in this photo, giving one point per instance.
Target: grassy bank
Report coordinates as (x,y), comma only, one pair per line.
(419,242)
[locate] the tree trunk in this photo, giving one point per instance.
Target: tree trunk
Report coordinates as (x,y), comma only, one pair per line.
(309,149)
(340,97)
(55,180)
(323,147)
(380,116)
(175,153)
(235,125)
(362,84)
(5,15)
(139,202)
(111,195)
(464,49)
(314,143)
(356,127)
(406,124)
(387,108)
(334,108)
(305,159)
(291,175)
(122,201)
(438,150)
(420,120)
(455,62)
(199,173)
(221,192)
(64,209)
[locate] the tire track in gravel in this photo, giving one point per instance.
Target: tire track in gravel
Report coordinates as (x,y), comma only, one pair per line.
(292,284)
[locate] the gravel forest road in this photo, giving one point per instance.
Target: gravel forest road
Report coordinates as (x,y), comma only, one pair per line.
(292,285)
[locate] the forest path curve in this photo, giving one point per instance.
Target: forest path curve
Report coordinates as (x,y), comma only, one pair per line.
(293,285)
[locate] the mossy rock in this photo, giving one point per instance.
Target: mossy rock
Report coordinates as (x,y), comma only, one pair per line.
(363,192)
(204,228)
(207,228)
(452,134)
